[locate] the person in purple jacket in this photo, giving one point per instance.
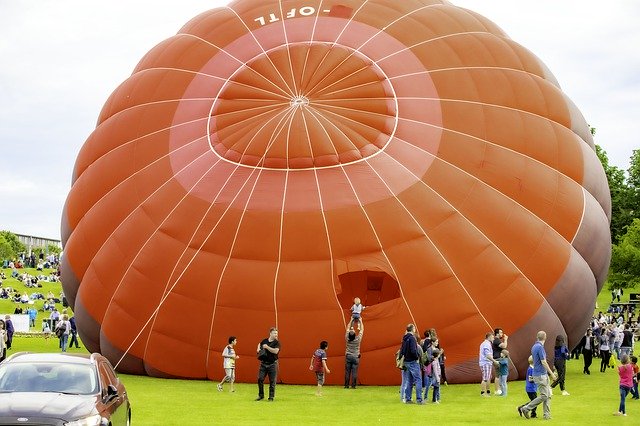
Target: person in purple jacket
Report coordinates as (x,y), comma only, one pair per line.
(560,356)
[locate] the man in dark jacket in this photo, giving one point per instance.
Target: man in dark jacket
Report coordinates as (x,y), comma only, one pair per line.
(10,330)
(411,373)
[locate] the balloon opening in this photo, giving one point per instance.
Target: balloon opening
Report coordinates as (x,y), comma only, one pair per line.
(372,287)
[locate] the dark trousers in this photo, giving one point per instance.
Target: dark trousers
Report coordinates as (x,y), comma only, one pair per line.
(605,355)
(587,355)
(270,370)
(532,396)
(351,370)
(561,369)
(74,338)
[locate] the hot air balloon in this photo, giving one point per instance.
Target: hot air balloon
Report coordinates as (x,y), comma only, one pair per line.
(276,159)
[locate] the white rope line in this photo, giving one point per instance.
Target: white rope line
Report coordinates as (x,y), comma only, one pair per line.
(245,64)
(395,21)
(424,233)
(286,41)
(382,250)
(335,42)
(235,237)
(311,39)
(167,293)
(290,92)
(326,229)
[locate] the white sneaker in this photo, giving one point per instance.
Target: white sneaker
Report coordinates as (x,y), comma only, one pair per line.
(219,387)
(565,393)
(498,392)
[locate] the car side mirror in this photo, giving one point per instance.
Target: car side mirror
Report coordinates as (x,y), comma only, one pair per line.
(112,392)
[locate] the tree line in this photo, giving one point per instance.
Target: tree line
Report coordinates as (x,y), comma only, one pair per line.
(624,271)
(11,247)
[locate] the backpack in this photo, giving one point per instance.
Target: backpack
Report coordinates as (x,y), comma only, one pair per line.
(427,357)
(61,329)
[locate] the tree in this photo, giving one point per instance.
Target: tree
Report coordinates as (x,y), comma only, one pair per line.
(53,249)
(624,198)
(6,251)
(14,242)
(625,258)
(634,183)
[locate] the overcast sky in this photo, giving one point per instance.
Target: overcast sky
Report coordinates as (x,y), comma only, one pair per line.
(61,59)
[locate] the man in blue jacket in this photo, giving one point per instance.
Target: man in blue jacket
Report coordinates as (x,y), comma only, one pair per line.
(412,367)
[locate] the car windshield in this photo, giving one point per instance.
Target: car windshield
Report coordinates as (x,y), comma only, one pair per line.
(48,377)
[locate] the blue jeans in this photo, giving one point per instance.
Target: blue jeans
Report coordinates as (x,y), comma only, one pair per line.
(624,390)
(426,386)
(412,376)
(436,392)
(351,370)
(63,342)
(503,384)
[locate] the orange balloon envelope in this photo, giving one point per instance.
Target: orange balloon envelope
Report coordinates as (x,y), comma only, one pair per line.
(276,159)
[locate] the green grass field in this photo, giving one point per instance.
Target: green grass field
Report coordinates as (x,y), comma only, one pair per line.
(593,398)
(8,306)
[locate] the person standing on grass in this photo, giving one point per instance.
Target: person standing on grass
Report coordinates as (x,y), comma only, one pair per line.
(10,330)
(560,357)
(541,374)
(605,349)
(32,316)
(352,355)
(74,332)
(636,372)
(625,371)
(627,340)
(229,364)
(486,363)
(436,376)
(588,348)
(412,374)
(268,363)
(531,388)
(500,342)
(3,341)
(65,328)
(502,367)
(319,365)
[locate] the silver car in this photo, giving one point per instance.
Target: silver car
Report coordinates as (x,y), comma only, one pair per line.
(61,389)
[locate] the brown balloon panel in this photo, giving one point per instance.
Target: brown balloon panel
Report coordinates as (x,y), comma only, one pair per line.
(275,160)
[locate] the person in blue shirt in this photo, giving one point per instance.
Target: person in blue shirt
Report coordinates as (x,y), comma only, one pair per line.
(530,386)
(502,368)
(541,374)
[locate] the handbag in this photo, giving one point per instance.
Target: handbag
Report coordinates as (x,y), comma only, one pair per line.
(612,361)
(399,361)
(262,354)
